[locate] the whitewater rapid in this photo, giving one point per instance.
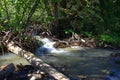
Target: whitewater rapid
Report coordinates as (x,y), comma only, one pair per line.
(47,47)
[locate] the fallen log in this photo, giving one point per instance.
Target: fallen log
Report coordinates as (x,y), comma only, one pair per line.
(37,62)
(6,70)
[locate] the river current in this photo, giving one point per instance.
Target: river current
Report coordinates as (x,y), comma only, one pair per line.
(79,63)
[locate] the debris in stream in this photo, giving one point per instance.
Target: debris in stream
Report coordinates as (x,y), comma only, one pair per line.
(6,70)
(27,72)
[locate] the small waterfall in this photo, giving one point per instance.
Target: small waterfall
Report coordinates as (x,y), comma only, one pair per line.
(47,47)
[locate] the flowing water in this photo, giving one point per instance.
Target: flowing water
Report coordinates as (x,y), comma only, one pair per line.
(78,63)
(11,58)
(90,64)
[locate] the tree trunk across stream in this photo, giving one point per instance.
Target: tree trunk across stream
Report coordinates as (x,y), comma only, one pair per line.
(36,62)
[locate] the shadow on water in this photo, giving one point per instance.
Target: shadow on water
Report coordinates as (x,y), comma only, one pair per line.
(11,58)
(86,64)
(79,64)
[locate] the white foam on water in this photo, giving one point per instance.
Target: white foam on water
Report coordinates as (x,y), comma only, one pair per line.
(47,47)
(75,47)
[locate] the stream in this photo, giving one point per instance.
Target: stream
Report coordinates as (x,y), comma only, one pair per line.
(78,63)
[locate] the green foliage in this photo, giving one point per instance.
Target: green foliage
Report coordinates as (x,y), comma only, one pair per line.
(87,34)
(91,18)
(1,28)
(69,31)
(106,38)
(112,38)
